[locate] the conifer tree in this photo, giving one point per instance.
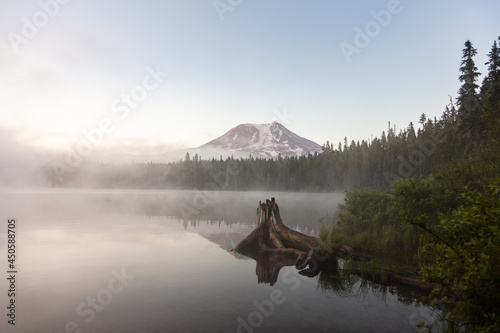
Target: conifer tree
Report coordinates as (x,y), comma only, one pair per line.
(468,99)
(490,90)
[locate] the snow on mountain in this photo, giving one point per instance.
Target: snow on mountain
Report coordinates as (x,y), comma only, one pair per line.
(258,140)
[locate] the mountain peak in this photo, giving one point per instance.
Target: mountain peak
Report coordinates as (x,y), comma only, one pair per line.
(262,140)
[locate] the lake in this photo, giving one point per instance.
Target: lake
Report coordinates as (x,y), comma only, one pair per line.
(158,261)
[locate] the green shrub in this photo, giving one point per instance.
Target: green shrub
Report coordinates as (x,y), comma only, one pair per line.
(464,256)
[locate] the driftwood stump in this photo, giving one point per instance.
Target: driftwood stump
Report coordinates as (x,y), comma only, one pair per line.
(273,245)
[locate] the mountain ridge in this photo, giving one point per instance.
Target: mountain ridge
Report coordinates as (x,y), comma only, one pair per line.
(260,140)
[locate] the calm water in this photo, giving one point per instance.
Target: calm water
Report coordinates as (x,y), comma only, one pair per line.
(158,261)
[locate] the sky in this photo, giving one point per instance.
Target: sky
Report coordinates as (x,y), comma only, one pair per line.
(153,76)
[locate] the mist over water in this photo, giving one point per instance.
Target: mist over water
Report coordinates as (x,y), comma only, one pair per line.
(176,275)
(304,211)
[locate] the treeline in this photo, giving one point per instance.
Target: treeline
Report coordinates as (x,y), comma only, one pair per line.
(375,164)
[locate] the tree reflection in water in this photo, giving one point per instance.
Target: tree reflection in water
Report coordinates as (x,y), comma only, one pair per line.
(345,284)
(333,279)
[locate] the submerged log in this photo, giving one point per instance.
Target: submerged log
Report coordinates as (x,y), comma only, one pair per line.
(387,277)
(274,244)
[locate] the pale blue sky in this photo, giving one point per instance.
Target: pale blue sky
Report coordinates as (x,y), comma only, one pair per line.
(266,60)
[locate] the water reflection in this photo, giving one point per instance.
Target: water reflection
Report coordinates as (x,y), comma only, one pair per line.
(344,284)
(332,279)
(184,280)
(301,211)
(268,267)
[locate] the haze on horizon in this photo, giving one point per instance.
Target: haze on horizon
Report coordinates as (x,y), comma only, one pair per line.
(161,76)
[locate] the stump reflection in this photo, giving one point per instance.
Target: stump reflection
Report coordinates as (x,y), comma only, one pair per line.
(273,245)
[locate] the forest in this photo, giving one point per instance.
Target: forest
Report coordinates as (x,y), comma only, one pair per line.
(440,220)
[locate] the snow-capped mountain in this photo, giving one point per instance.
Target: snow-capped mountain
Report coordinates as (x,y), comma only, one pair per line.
(259,140)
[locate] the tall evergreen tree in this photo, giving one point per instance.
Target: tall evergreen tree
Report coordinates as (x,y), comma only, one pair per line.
(468,99)
(490,90)
(491,81)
